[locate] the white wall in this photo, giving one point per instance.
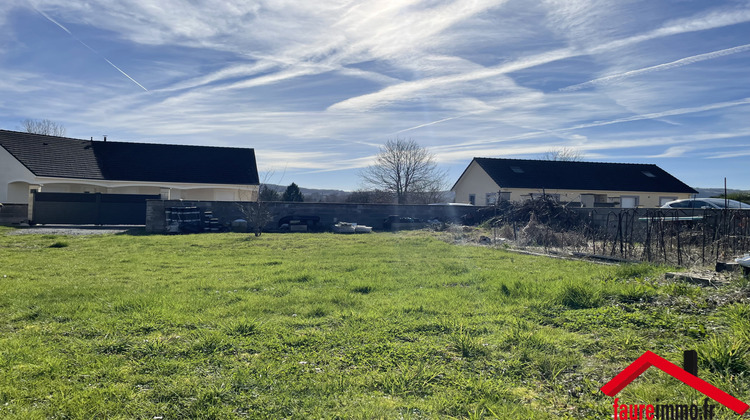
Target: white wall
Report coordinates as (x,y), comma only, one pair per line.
(237,193)
(12,170)
(474,181)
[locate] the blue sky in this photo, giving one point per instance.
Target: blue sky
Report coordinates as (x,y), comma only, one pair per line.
(317,87)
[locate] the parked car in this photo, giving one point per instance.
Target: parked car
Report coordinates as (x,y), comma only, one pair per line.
(705,203)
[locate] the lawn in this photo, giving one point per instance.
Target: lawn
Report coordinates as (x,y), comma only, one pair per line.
(335,326)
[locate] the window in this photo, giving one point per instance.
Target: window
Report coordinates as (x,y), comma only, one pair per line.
(629,201)
(516,169)
(665,200)
(700,204)
(472,199)
(648,174)
(680,205)
(491,199)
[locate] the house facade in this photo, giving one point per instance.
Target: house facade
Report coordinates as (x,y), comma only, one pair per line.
(592,184)
(42,163)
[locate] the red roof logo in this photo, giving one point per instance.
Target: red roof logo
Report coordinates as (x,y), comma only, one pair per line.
(648,359)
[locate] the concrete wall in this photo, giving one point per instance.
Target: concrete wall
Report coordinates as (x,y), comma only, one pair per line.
(175,191)
(329,213)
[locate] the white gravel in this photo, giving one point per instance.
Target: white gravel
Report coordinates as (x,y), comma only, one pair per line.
(70,230)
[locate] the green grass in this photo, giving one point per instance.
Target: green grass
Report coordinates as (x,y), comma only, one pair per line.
(334,326)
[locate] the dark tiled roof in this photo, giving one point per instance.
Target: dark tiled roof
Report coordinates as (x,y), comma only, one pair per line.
(63,157)
(588,176)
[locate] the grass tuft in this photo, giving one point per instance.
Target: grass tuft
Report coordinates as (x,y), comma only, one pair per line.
(580,295)
(466,343)
(724,356)
(363,290)
(243,329)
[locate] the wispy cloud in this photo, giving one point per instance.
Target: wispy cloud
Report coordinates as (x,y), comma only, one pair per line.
(728,155)
(410,89)
(662,114)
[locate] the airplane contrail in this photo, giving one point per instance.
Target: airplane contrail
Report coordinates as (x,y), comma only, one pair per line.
(91,49)
(666,66)
(432,123)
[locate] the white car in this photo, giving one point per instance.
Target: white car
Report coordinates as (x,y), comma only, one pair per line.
(705,203)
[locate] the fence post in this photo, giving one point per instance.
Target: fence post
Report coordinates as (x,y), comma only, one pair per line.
(690,362)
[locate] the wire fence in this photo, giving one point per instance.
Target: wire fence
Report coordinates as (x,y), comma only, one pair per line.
(679,237)
(682,237)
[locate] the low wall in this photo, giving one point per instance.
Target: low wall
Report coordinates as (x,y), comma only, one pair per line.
(329,213)
(14,214)
(611,219)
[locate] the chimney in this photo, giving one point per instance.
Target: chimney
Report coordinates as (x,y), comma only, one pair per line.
(105,137)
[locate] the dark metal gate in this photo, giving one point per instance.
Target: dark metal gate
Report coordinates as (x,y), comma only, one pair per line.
(90,209)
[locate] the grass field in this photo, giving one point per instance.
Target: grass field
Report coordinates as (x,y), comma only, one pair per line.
(327,326)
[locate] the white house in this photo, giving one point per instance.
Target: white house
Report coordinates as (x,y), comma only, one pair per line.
(592,184)
(59,164)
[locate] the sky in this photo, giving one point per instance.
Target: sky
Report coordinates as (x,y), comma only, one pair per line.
(316,87)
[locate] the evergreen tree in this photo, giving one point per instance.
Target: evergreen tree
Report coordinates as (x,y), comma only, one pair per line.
(268,194)
(293,193)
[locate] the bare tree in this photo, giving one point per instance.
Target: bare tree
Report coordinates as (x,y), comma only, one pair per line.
(46,127)
(405,169)
(256,212)
(563,154)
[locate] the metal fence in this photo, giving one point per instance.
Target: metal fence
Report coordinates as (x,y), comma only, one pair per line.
(680,237)
(683,237)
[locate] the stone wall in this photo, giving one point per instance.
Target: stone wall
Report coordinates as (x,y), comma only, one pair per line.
(329,213)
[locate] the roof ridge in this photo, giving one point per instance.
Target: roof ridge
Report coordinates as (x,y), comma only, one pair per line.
(65,157)
(567,161)
(123,142)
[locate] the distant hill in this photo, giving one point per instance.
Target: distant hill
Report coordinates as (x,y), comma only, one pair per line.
(713,192)
(316,195)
